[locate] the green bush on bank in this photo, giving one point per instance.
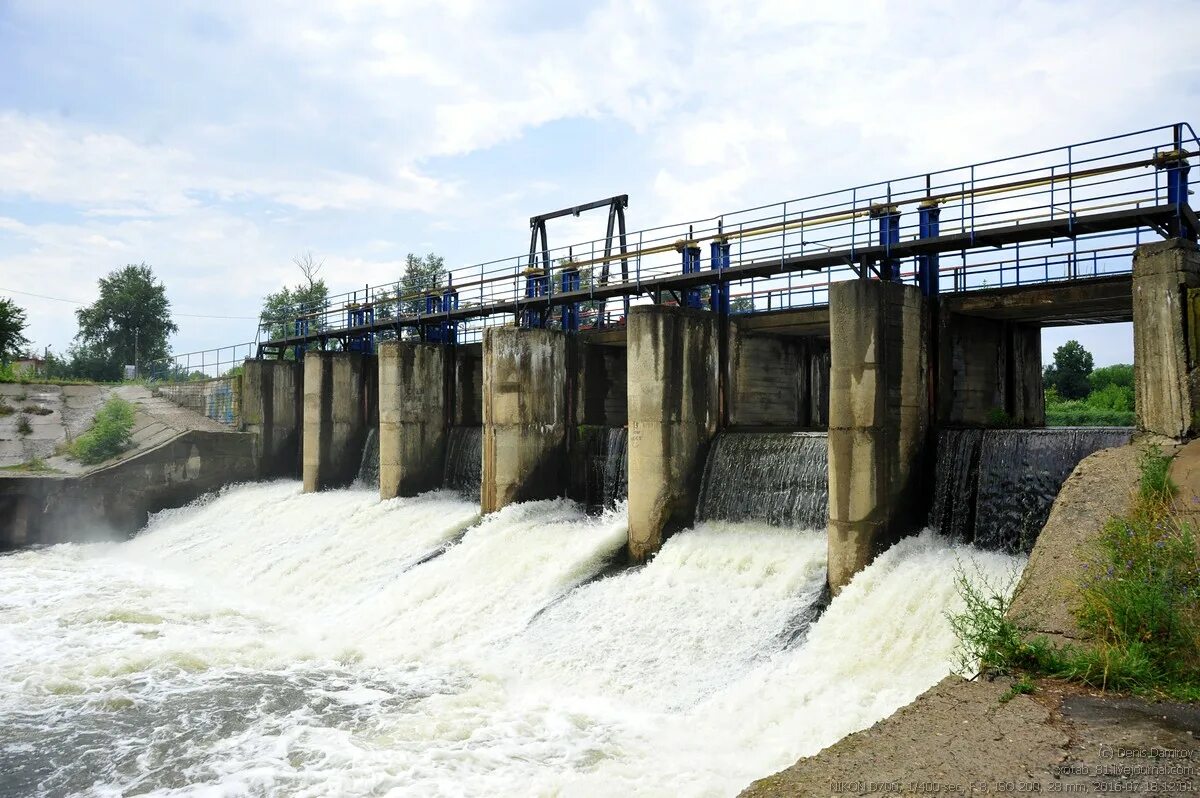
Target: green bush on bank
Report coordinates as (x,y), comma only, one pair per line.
(111,433)
(1139,603)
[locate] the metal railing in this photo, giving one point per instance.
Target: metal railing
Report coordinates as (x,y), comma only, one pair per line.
(201,365)
(1057,214)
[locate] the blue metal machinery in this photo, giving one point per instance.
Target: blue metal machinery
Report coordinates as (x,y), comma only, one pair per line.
(443,331)
(928,215)
(536,284)
(360,315)
(1175,164)
(301,331)
(690,250)
(569,280)
(718,292)
(889,236)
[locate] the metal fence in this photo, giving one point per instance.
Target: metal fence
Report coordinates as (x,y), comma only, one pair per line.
(1058,214)
(218,398)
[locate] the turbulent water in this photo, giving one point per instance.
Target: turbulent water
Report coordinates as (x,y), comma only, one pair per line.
(368,466)
(464,461)
(777,477)
(995,488)
(268,642)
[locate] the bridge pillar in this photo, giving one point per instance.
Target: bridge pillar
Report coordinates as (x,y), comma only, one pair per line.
(673,415)
(524,415)
(412,417)
(878,420)
(1166,337)
(338,411)
(271,406)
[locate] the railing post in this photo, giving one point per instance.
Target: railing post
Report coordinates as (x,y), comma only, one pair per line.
(569,281)
(718,292)
(690,251)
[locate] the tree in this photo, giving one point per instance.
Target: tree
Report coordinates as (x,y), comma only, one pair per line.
(129,323)
(12,327)
(281,309)
(421,275)
(1070,372)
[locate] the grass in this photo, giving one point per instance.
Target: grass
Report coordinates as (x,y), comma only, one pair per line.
(23,425)
(6,409)
(1139,604)
(36,410)
(35,466)
(111,433)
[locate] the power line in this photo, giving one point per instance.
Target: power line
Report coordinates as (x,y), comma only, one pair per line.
(77,302)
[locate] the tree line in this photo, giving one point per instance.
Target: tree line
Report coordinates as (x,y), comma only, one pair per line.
(1078,394)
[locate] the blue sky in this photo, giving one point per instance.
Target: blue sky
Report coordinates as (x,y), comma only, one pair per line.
(218,140)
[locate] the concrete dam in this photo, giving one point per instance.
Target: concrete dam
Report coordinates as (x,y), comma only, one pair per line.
(603,521)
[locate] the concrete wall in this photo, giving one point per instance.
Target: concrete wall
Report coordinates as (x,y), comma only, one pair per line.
(218,399)
(272,407)
(777,380)
(524,415)
(339,409)
(412,416)
(878,420)
(468,385)
(114,502)
(1166,337)
(673,416)
(989,369)
(601,397)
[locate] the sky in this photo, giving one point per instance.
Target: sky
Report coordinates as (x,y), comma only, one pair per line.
(216,141)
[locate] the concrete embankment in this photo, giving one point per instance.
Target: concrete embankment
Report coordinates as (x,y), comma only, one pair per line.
(176,456)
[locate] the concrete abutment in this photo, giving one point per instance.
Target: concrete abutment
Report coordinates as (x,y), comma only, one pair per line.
(878,420)
(524,415)
(673,415)
(339,410)
(1166,337)
(413,392)
(272,408)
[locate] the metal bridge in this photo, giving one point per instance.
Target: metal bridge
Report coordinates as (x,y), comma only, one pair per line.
(1069,213)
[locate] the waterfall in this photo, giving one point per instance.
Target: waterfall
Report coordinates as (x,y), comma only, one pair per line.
(368,466)
(777,477)
(600,469)
(464,461)
(995,488)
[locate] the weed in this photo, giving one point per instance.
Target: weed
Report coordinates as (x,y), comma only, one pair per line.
(1022,686)
(6,409)
(110,434)
(37,410)
(35,466)
(23,425)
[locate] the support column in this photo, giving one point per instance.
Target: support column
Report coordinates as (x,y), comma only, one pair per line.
(1166,337)
(524,415)
(271,406)
(673,415)
(412,417)
(336,399)
(878,420)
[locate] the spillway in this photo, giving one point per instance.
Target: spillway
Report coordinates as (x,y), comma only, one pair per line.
(270,642)
(777,477)
(995,487)
(464,461)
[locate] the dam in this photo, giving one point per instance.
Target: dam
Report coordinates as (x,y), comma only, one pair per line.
(600,524)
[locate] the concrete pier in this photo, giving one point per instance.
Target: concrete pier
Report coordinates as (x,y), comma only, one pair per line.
(989,372)
(673,415)
(1166,337)
(412,417)
(878,420)
(271,408)
(524,415)
(339,408)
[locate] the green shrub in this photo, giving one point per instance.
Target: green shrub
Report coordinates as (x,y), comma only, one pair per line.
(1078,413)
(23,425)
(110,434)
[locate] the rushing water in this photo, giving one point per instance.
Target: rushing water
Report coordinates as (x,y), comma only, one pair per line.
(464,461)
(268,642)
(368,466)
(996,487)
(777,477)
